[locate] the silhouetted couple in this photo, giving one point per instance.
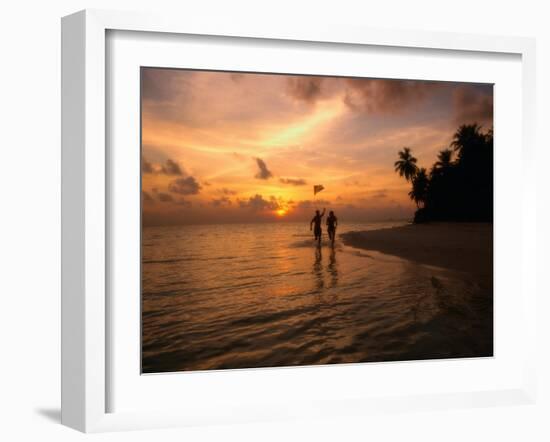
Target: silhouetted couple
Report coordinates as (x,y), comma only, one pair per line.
(332,223)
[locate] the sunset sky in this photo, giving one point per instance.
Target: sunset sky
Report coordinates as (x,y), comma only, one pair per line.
(233,147)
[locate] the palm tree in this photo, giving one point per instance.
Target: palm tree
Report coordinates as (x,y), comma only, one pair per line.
(406,165)
(444,159)
(420,184)
(468,137)
(443,164)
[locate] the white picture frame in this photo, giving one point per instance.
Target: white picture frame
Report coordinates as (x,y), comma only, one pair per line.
(85,206)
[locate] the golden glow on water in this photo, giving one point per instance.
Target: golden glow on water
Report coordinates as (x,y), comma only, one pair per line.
(264,295)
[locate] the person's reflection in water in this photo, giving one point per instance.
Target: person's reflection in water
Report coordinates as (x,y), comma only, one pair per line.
(332,268)
(318,269)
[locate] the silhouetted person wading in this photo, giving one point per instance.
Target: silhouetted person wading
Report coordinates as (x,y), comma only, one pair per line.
(332,222)
(316,222)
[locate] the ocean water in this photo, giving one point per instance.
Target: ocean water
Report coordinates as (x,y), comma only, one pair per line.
(265,295)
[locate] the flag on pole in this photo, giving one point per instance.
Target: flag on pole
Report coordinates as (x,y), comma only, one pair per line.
(317,188)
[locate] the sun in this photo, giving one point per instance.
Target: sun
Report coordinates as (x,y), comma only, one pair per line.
(281,212)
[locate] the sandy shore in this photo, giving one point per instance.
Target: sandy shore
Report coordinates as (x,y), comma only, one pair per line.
(466,247)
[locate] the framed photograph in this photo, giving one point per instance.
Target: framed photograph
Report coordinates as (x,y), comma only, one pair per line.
(262,223)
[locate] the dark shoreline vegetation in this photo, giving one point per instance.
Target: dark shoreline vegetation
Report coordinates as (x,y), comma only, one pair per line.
(459,186)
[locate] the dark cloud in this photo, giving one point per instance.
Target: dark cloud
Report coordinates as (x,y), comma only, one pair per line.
(310,204)
(237,77)
(264,173)
(185,186)
(473,104)
(146,166)
(223,201)
(184,203)
(147,198)
(170,167)
(294,181)
(258,203)
(354,183)
(379,194)
(375,96)
(306,89)
(226,191)
(159,84)
(165,197)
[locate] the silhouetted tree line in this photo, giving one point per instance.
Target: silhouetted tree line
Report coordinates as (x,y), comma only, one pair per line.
(459,186)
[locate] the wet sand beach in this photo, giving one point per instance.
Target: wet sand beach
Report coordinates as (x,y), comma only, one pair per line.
(466,247)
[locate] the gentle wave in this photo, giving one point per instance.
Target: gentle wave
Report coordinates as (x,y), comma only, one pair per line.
(265,299)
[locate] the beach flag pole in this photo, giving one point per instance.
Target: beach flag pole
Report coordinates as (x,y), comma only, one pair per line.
(314,201)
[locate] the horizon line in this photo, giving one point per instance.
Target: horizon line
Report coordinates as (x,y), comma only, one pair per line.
(275,221)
